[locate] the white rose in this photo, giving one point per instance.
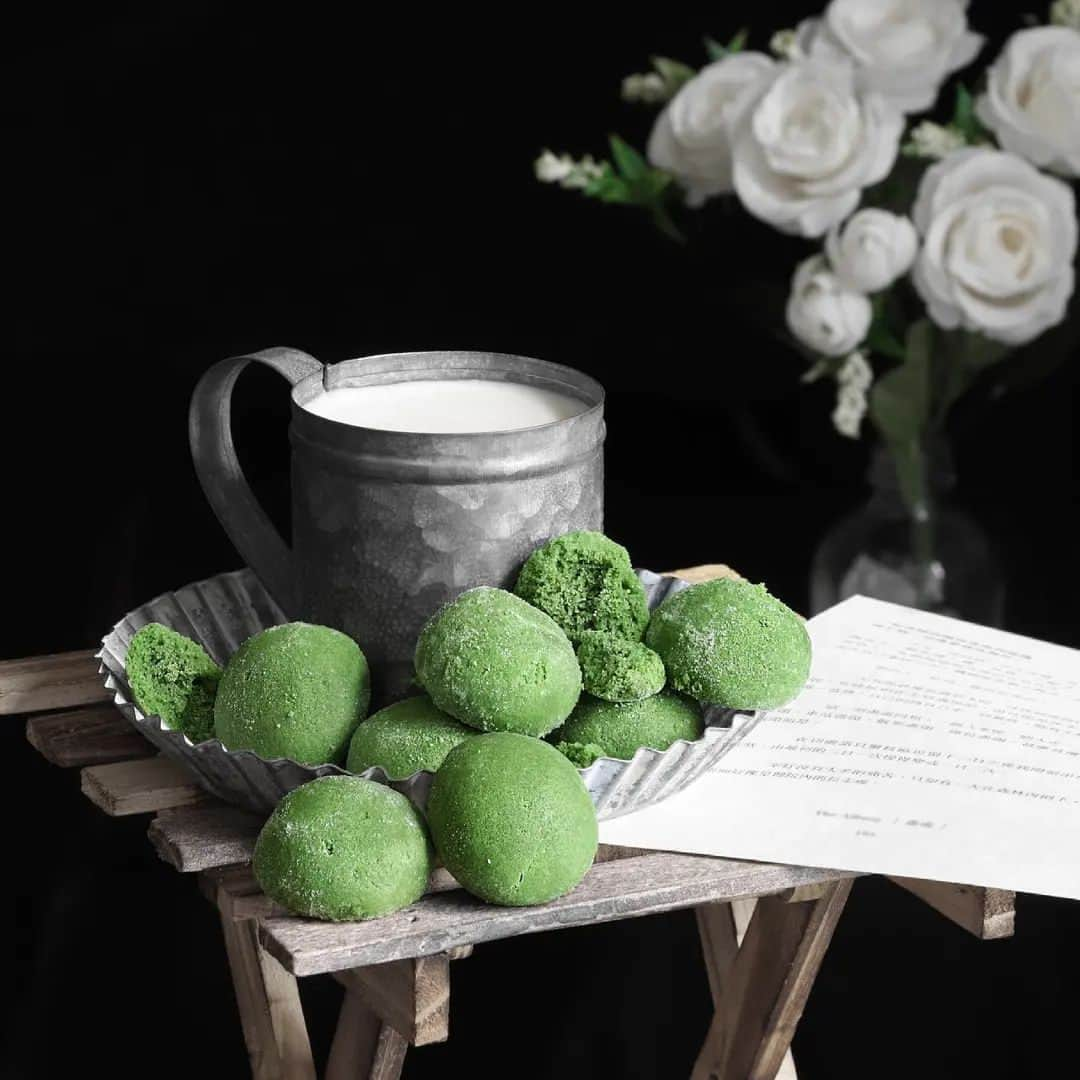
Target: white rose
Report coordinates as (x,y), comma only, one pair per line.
(805,145)
(823,313)
(901,49)
(872,250)
(1032,99)
(691,137)
(999,240)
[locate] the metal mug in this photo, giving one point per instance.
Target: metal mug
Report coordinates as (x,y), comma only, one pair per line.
(389,525)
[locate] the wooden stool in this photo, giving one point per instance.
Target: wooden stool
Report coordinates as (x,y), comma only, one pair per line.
(764,928)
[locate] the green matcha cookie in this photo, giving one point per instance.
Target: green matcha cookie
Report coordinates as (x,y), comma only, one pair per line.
(581,754)
(512,820)
(730,643)
(171,676)
(616,669)
(343,848)
(621,729)
(294,691)
(584,581)
(405,737)
(494,662)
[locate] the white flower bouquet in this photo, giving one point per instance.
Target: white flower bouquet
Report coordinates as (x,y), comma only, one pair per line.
(942,251)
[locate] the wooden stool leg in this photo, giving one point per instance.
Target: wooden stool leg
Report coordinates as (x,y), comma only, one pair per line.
(269,1003)
(364,1048)
(722,928)
(761,990)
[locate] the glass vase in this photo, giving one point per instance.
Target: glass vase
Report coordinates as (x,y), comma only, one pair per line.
(918,551)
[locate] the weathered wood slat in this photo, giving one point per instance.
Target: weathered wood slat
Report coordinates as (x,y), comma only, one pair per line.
(986,913)
(364,1046)
(41,683)
(413,996)
(268,1000)
(722,928)
(286,1014)
(212,835)
(141,787)
(236,893)
(193,838)
(613,890)
(719,944)
(766,985)
(89,736)
(708,572)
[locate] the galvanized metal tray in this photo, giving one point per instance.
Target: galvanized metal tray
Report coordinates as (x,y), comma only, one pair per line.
(223,611)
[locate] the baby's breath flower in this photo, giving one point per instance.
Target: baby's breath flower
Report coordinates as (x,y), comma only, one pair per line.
(856,372)
(552,169)
(853,381)
(850,409)
(785,45)
(565,171)
(650,88)
(1066,13)
(930,140)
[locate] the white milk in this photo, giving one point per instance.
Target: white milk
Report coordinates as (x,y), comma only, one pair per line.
(445,406)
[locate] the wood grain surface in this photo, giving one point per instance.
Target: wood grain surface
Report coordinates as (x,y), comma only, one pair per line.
(60,681)
(141,787)
(88,736)
(624,888)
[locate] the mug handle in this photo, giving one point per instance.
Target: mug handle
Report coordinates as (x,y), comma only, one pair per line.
(222,478)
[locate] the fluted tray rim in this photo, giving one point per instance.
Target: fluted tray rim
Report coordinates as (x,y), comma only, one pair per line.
(729,726)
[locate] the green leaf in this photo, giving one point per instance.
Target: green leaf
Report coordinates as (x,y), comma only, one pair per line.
(883,341)
(964,109)
(715,51)
(609,188)
(655,182)
(632,181)
(738,42)
(629,162)
(664,222)
(973,351)
(901,409)
(965,120)
(674,73)
(900,399)
(909,459)
(962,358)
(883,337)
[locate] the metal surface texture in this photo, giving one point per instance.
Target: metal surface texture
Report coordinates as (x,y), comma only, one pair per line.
(223,611)
(388,526)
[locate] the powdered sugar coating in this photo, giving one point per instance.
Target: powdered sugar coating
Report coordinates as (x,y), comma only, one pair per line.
(512,820)
(621,729)
(406,737)
(295,691)
(343,848)
(496,663)
(731,643)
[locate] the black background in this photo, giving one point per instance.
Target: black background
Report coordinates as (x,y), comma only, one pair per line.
(191,181)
